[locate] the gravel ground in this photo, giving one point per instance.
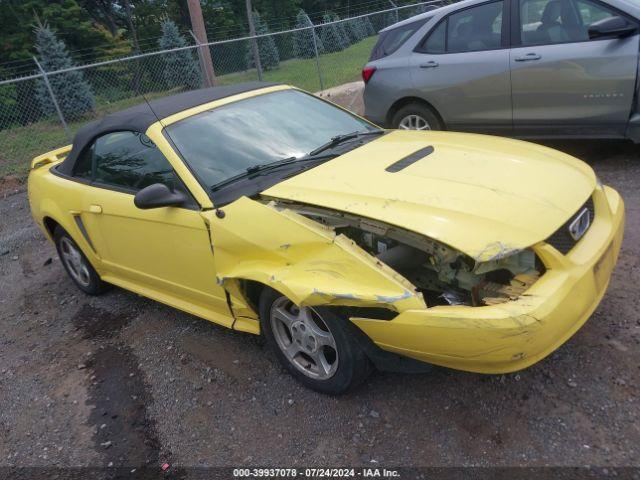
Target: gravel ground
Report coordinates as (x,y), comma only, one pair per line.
(121,380)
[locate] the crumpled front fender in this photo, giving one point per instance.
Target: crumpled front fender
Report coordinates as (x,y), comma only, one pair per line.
(302,259)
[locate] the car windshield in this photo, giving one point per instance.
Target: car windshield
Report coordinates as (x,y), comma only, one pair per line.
(226,141)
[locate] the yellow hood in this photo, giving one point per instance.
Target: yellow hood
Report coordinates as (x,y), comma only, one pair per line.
(485,196)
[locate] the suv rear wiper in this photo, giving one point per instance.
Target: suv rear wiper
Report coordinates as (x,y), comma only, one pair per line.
(265,167)
(338,139)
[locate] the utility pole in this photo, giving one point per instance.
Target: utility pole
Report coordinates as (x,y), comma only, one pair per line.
(254,42)
(197,24)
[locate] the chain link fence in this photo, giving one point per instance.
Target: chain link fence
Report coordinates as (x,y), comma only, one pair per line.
(41,111)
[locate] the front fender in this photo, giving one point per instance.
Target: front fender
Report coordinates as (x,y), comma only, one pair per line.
(302,259)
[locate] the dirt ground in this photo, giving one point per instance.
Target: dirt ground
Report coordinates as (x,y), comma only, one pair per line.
(121,380)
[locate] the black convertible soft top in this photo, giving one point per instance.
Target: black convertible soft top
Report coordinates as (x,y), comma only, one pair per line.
(141,117)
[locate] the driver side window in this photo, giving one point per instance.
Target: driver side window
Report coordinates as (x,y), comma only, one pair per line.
(548,22)
(126,160)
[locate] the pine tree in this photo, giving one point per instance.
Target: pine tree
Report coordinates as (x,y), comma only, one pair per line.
(390,18)
(180,68)
(355,30)
(367,27)
(71,90)
(269,55)
(303,39)
(330,35)
(342,29)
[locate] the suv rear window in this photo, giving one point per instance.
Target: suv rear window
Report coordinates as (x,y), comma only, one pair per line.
(393,39)
(469,30)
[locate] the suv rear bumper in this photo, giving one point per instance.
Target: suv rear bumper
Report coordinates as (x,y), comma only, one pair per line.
(377,103)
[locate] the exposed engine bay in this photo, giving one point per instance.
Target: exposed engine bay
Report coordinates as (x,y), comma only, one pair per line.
(442,274)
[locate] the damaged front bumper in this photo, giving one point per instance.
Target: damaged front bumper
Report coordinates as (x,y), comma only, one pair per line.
(514,335)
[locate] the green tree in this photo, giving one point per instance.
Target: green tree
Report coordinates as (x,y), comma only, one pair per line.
(303,39)
(342,30)
(269,55)
(104,12)
(355,30)
(367,27)
(71,90)
(277,14)
(390,18)
(84,38)
(180,67)
(330,35)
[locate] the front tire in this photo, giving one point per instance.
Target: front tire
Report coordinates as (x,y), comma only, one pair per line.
(76,264)
(313,344)
(416,116)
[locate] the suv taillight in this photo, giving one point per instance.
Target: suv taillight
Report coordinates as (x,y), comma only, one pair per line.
(367,73)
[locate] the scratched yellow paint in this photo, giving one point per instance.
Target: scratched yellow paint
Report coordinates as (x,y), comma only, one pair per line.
(514,335)
(305,261)
(439,197)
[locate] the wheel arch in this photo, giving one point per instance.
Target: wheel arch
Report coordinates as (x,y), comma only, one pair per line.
(249,279)
(50,225)
(403,102)
(49,215)
(251,291)
(300,258)
(52,218)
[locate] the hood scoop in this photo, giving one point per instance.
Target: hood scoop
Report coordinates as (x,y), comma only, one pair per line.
(478,194)
(409,159)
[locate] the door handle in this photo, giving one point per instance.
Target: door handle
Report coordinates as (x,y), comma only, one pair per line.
(430,64)
(528,57)
(95,208)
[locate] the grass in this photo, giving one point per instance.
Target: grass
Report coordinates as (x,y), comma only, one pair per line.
(19,145)
(336,68)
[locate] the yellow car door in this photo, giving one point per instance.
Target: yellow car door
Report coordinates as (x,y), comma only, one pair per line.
(164,253)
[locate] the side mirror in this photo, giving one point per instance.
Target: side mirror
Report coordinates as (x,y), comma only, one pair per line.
(156,196)
(612,27)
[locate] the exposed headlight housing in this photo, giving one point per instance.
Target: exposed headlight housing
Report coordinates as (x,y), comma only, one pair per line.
(442,274)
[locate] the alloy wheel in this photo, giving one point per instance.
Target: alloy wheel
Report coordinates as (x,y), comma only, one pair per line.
(414,122)
(304,339)
(75,262)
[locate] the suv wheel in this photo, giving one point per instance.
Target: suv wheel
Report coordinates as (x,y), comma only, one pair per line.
(415,117)
(313,344)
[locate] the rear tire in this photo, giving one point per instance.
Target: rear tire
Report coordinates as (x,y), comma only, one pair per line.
(416,116)
(76,264)
(313,344)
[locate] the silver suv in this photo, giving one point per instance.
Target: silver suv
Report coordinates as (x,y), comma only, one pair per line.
(528,68)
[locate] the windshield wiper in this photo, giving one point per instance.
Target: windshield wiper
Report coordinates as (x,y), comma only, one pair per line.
(338,139)
(265,167)
(311,156)
(271,165)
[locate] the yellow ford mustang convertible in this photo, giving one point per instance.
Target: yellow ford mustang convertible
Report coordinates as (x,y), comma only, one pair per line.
(267,210)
